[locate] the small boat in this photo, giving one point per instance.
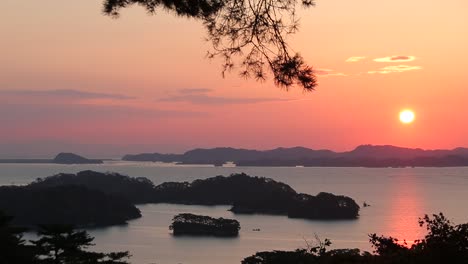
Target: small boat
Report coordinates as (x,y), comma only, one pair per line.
(229,164)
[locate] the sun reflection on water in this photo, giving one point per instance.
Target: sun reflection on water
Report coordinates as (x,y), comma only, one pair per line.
(406,208)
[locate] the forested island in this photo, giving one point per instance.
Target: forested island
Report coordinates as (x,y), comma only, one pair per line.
(246,194)
(66,204)
(200,225)
(137,190)
(362,156)
(91,198)
(249,194)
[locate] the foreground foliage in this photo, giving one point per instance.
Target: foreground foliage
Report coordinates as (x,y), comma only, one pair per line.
(12,245)
(63,244)
(444,243)
(253,30)
(56,244)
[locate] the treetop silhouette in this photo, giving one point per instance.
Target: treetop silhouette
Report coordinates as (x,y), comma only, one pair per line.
(253,31)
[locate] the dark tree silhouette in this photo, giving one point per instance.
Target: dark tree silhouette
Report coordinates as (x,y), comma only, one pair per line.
(443,243)
(255,31)
(12,245)
(61,244)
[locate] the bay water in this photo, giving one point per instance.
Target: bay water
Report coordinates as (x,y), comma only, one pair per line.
(397,198)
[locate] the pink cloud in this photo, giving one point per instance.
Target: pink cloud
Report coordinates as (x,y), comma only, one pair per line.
(395,69)
(355,59)
(397,58)
(328,72)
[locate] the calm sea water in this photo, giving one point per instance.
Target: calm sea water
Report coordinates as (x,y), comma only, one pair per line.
(398,197)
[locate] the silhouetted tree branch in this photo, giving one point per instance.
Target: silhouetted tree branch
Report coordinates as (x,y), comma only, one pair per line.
(254,31)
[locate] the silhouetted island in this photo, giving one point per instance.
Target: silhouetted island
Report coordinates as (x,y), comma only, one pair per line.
(137,190)
(200,225)
(61,158)
(67,204)
(71,158)
(249,195)
(362,156)
(246,194)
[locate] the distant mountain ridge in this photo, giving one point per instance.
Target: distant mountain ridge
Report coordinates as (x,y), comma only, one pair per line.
(224,154)
(361,156)
(389,151)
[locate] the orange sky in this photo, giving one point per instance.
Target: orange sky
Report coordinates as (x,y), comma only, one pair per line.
(69,75)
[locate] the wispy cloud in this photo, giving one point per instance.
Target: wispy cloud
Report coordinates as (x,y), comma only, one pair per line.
(203,97)
(14,114)
(64,93)
(395,69)
(355,59)
(68,105)
(397,58)
(328,73)
(195,90)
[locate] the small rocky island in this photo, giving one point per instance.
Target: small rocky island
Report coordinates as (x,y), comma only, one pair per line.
(199,225)
(71,158)
(61,158)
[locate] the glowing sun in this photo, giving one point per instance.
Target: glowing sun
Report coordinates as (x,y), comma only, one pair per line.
(407,116)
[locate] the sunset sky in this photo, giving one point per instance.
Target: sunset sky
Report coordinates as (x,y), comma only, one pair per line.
(73,79)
